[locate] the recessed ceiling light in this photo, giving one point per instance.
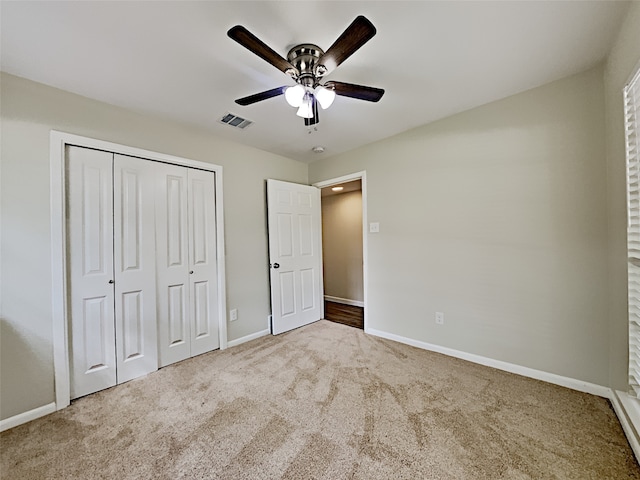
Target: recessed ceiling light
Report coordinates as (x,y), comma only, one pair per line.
(337,189)
(318,149)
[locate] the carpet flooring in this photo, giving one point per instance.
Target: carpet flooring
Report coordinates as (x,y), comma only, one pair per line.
(324,402)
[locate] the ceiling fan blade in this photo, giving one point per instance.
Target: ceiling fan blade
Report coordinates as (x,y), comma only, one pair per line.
(361,92)
(356,35)
(252,43)
(258,97)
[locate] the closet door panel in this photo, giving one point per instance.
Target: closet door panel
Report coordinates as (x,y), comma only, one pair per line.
(201,315)
(135,261)
(172,247)
(202,254)
(90,263)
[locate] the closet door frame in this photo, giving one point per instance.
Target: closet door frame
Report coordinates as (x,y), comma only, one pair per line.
(61,309)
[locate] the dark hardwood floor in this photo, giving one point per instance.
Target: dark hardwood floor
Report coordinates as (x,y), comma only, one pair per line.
(345,314)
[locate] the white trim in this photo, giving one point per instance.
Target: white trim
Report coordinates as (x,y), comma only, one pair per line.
(220,253)
(25,417)
(62,384)
(58,143)
(567,382)
(248,338)
(321,255)
(634,72)
(362,175)
(627,409)
(344,301)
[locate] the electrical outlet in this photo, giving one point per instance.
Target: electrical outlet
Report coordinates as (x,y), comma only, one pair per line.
(440,318)
(233,315)
(374,227)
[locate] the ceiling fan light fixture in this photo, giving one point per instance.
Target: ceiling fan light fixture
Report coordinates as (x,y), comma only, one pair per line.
(294,95)
(325,96)
(306,108)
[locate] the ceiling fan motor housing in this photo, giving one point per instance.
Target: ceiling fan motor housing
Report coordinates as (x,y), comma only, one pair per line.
(305,58)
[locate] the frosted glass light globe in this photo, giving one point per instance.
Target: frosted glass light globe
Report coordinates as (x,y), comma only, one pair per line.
(306,108)
(294,95)
(325,96)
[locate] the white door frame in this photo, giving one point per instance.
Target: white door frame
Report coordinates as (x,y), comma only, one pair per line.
(58,142)
(365,249)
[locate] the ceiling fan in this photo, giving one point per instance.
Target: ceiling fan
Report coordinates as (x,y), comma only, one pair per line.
(307,64)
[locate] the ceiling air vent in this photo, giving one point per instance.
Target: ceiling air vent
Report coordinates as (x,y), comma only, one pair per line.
(235,121)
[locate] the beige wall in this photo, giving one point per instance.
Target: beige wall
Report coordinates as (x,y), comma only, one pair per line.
(624,56)
(29,112)
(342,245)
(496,217)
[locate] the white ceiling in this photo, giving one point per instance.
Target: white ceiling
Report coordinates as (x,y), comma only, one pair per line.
(347,187)
(174,59)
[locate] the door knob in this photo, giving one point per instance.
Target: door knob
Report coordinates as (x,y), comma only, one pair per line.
(190,272)
(110,281)
(276,265)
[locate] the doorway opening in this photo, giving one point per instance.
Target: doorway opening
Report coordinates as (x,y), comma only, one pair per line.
(343,203)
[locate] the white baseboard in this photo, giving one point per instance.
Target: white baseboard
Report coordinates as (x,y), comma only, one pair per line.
(628,411)
(344,301)
(248,338)
(572,383)
(25,417)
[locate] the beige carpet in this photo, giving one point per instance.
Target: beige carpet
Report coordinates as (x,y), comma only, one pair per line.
(327,402)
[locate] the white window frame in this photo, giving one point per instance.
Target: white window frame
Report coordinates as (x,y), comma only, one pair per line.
(631,94)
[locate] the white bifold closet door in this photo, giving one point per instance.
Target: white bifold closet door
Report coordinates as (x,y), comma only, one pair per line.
(111,237)
(186,263)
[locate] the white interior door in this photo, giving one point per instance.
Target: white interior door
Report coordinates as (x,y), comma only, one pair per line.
(172,248)
(134,267)
(90,247)
(203,276)
(295,254)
